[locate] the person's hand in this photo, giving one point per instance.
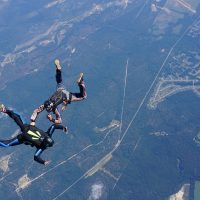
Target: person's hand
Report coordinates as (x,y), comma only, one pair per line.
(49,116)
(47,162)
(63,108)
(32,123)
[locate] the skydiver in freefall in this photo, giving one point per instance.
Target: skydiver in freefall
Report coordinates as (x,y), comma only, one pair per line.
(61,98)
(30,135)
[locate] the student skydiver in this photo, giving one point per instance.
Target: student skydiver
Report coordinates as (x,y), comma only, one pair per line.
(61,98)
(30,135)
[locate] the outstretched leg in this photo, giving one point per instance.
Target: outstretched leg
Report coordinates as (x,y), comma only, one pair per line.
(58,74)
(82,94)
(13,115)
(55,126)
(11,142)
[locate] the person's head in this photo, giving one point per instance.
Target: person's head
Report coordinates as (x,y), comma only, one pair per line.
(48,105)
(48,142)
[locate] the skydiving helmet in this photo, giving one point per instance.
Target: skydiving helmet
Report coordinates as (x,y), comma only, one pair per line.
(48,105)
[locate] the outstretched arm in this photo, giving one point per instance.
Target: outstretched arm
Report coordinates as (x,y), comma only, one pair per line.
(53,127)
(35,114)
(57,120)
(38,159)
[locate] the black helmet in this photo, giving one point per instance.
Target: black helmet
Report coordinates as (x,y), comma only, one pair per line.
(48,142)
(48,105)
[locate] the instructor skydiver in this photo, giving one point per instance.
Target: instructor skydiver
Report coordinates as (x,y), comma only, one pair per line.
(61,98)
(30,135)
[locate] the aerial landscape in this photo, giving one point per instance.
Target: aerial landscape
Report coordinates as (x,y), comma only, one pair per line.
(137,135)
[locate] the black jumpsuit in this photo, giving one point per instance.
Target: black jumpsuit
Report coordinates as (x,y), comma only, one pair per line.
(31,135)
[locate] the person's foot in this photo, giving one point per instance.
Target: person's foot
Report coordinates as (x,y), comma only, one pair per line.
(2,108)
(80,78)
(65,129)
(57,64)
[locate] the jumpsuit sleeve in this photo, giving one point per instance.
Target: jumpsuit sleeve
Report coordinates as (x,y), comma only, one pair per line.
(37,157)
(36,112)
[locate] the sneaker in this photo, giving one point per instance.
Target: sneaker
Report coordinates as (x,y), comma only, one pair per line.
(57,63)
(2,108)
(80,78)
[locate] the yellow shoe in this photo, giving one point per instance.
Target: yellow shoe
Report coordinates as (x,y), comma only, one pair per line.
(80,78)
(57,64)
